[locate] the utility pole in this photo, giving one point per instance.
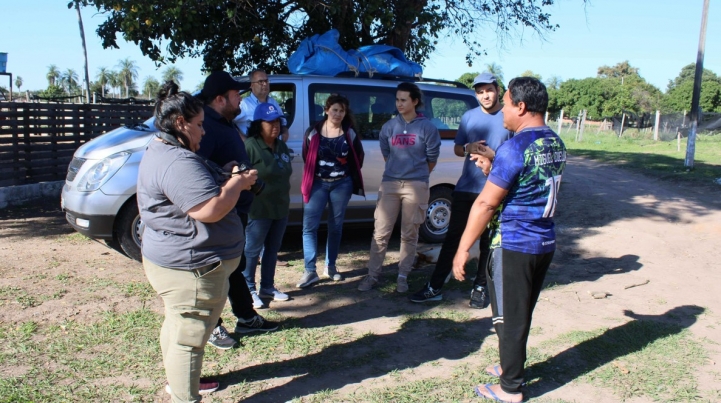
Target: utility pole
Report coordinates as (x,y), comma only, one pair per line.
(691,143)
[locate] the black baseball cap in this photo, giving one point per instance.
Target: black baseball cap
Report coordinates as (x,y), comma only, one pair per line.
(218,83)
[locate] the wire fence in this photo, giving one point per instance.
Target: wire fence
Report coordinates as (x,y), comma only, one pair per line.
(670,125)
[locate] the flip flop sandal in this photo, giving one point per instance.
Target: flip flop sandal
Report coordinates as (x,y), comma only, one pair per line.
(493,396)
(495,371)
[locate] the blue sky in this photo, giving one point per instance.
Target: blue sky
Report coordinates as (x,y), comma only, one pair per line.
(657,36)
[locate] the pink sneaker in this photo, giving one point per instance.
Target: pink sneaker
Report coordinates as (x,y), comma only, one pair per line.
(207,386)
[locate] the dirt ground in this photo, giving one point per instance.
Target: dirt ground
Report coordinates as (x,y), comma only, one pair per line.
(651,247)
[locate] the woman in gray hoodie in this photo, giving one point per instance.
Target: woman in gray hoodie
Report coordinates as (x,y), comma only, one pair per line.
(410,144)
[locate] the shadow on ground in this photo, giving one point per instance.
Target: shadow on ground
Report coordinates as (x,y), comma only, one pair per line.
(633,336)
(416,342)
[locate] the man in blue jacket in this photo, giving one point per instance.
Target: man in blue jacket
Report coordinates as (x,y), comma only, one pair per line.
(222,144)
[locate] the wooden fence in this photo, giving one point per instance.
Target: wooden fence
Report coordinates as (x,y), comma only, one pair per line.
(37,140)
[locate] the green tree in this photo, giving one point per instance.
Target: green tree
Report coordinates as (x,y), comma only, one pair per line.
(680,90)
(620,70)
(18,82)
(239,35)
(529,73)
(53,75)
(172,73)
(615,90)
(467,79)
(553,82)
(128,73)
(53,91)
(151,86)
(103,79)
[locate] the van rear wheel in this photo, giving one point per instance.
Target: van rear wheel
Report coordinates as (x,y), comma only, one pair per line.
(129,230)
(438,215)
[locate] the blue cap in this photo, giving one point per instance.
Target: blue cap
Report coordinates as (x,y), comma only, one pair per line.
(267,112)
(485,78)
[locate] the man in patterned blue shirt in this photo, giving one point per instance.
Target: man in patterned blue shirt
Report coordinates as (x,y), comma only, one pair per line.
(522,188)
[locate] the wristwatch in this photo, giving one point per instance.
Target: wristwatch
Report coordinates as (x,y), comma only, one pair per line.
(465,150)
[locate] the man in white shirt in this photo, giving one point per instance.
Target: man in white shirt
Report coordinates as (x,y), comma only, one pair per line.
(260,88)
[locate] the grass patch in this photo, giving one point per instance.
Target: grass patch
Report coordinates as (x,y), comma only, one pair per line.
(660,159)
(640,358)
(68,362)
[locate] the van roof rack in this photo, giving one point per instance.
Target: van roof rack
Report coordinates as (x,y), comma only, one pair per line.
(393,77)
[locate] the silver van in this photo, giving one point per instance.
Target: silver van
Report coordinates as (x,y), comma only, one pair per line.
(99,193)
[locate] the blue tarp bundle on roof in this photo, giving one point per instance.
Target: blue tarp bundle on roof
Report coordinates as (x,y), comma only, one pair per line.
(322,55)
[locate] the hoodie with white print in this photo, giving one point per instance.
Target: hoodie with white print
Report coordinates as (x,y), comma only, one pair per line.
(408,148)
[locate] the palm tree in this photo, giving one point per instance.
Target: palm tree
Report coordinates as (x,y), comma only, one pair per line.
(115,81)
(496,70)
(553,82)
(53,74)
(172,74)
(128,72)
(69,80)
(151,87)
(18,82)
(103,78)
(85,52)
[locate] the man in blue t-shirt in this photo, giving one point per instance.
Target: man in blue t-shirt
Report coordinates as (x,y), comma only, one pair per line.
(522,187)
(481,126)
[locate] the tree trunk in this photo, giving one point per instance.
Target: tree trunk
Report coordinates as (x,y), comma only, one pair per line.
(85,53)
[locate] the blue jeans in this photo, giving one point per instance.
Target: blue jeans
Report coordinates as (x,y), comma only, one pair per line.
(263,234)
(336,195)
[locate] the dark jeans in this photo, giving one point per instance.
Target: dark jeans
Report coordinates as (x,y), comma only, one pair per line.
(238,294)
(513,306)
(460,209)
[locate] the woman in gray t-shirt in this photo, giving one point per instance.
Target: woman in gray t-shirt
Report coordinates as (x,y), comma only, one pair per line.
(192,239)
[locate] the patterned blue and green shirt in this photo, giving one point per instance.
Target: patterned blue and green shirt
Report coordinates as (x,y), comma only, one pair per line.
(529,166)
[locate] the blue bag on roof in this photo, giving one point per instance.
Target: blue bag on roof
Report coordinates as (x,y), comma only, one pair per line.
(387,60)
(322,55)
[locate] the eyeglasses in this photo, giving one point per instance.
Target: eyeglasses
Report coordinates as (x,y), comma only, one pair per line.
(261,82)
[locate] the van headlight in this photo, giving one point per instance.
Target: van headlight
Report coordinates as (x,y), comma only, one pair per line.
(102,171)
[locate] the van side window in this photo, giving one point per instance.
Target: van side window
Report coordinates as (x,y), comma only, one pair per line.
(284,94)
(371,106)
(445,111)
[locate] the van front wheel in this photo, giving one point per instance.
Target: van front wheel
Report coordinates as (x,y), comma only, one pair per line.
(438,215)
(129,230)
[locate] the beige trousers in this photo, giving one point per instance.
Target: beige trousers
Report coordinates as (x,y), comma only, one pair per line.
(193,303)
(410,198)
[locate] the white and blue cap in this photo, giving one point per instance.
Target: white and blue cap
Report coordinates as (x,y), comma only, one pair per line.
(485,78)
(267,112)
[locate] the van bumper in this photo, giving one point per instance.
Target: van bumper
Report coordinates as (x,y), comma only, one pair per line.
(92,226)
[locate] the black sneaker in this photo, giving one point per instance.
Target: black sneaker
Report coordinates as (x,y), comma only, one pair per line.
(478,297)
(257,324)
(427,294)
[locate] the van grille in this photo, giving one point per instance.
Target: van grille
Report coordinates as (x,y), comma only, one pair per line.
(73,168)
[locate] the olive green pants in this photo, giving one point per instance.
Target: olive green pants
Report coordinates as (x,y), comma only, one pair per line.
(193,303)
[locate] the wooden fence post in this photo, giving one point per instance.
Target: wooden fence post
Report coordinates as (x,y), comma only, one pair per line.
(623,120)
(655,125)
(583,125)
(560,123)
